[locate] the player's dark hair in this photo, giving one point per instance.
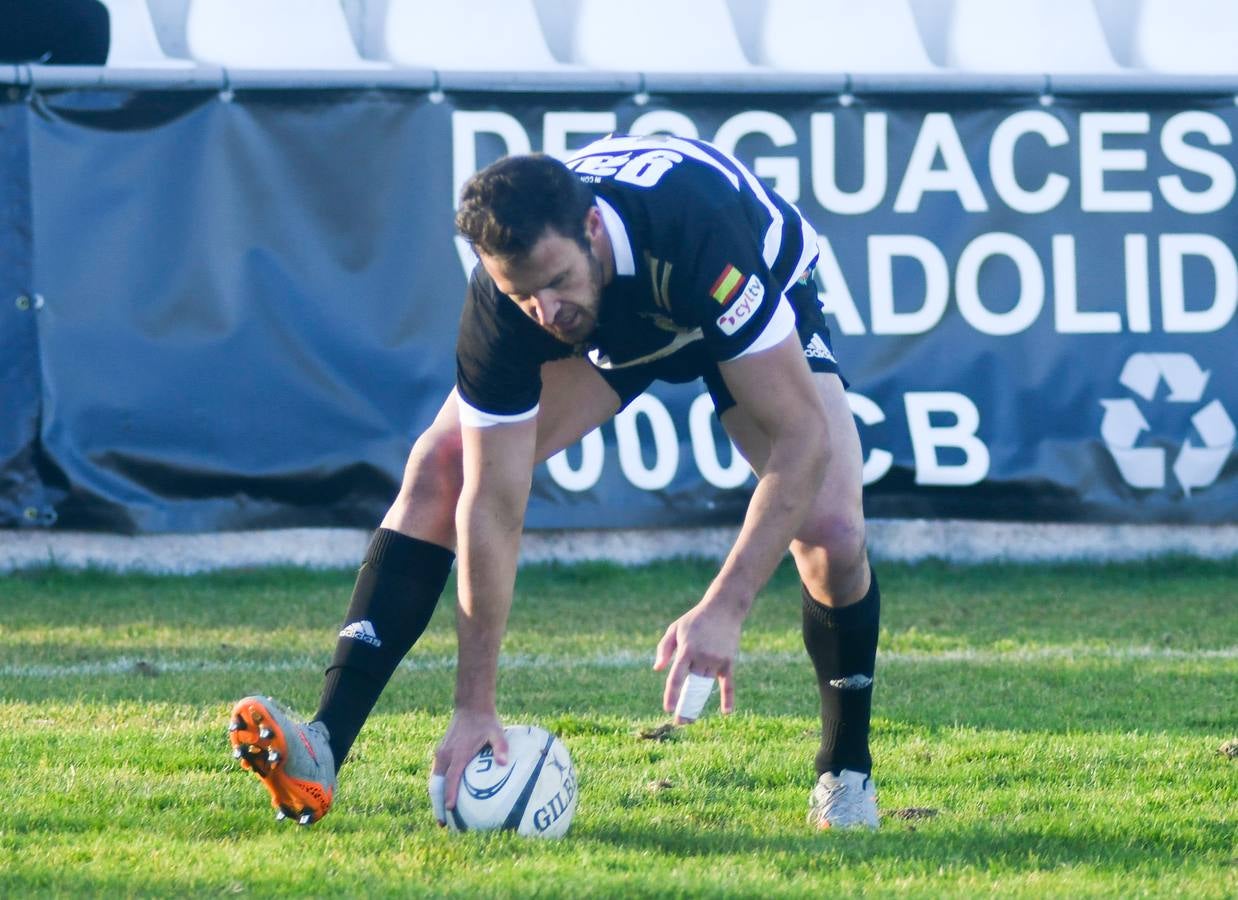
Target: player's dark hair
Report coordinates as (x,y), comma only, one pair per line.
(506,208)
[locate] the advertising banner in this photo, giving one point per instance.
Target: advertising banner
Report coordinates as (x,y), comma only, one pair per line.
(249,300)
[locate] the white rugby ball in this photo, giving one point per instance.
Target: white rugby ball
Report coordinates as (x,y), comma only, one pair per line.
(534,794)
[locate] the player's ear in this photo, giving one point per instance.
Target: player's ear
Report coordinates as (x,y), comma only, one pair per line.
(593,223)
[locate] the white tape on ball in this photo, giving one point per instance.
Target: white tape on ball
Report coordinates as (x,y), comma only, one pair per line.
(692,696)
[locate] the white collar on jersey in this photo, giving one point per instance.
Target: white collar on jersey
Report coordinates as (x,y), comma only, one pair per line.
(620,244)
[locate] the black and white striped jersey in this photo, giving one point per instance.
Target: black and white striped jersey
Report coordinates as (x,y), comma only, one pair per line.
(703,251)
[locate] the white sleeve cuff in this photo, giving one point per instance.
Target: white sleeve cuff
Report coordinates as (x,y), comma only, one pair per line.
(781,323)
(477,418)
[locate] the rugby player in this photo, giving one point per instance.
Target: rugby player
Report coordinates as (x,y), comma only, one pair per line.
(642,258)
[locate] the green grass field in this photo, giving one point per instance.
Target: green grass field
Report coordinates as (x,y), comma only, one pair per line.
(1039,731)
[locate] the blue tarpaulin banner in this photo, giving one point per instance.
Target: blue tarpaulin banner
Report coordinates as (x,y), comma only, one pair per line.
(240,306)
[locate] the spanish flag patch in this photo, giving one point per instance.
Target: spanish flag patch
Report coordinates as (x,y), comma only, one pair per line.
(727,285)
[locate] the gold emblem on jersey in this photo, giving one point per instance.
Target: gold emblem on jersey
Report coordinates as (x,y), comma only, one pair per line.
(660,276)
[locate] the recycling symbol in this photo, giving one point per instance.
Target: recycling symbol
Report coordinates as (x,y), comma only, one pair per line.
(1196,465)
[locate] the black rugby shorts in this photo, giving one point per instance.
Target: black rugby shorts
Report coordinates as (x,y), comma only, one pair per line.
(693,361)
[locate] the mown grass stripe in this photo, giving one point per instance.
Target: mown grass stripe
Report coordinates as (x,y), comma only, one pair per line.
(127,665)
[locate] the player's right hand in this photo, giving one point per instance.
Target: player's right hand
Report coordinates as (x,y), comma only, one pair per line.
(468,732)
(703,641)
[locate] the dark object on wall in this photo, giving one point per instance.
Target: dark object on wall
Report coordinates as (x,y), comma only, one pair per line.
(54,32)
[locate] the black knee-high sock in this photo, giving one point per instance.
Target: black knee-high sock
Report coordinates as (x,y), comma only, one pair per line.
(843,646)
(397,588)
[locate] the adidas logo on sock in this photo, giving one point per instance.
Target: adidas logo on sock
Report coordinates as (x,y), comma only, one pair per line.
(817,349)
(362,631)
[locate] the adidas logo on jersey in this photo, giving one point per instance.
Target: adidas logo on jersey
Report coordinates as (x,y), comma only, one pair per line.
(362,631)
(817,349)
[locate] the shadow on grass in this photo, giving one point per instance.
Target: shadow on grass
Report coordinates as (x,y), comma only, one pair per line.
(1012,848)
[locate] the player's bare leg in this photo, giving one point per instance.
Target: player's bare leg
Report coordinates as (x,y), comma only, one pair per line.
(398,587)
(575,400)
(841,608)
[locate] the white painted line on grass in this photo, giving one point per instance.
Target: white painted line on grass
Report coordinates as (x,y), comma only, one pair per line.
(130,665)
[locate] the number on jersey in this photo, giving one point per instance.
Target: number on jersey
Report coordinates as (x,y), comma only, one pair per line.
(641,169)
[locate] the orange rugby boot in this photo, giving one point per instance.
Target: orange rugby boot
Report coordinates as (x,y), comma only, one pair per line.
(292,758)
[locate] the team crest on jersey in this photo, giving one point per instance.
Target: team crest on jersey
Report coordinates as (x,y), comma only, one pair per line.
(727,285)
(748,303)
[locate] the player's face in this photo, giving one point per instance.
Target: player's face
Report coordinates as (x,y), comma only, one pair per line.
(558,285)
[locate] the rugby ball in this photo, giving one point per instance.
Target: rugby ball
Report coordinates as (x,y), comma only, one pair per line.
(534,794)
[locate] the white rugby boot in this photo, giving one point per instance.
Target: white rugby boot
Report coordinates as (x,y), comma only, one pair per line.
(845,800)
(293,759)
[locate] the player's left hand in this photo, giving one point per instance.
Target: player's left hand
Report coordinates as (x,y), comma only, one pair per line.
(468,732)
(704,641)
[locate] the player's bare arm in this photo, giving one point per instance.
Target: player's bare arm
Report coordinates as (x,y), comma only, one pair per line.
(498,471)
(775,388)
